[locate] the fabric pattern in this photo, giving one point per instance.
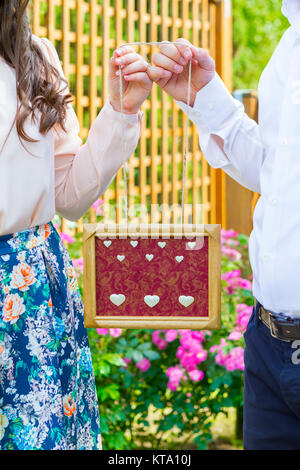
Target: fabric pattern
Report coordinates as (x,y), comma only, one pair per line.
(48,398)
(152,277)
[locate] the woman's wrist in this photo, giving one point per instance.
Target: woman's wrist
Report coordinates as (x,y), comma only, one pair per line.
(117,107)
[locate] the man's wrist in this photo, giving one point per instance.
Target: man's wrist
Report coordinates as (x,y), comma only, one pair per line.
(194,93)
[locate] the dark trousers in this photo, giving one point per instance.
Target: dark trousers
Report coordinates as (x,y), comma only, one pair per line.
(271,390)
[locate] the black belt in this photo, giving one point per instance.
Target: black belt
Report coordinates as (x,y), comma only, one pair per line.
(283,328)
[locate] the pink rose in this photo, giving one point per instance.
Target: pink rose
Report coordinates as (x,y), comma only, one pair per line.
(144,364)
(66,237)
(102,331)
(115,332)
(196,375)
(171,335)
(235,335)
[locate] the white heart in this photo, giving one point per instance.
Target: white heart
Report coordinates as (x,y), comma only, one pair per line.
(134,243)
(107,243)
(179,259)
(117,299)
(121,257)
(191,245)
(186,301)
(161,244)
(5,257)
(149,257)
(151,300)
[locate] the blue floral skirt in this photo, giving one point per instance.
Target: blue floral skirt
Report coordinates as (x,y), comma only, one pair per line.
(48,398)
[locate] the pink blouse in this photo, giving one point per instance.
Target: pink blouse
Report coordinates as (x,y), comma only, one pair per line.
(63,176)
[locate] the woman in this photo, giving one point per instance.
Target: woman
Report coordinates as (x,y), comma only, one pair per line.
(48,398)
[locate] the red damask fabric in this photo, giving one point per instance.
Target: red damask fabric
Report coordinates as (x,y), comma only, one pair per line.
(152,277)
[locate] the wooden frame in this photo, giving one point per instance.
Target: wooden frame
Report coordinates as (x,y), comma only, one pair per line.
(103,231)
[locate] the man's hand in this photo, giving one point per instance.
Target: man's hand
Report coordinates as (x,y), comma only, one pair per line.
(136,83)
(171,69)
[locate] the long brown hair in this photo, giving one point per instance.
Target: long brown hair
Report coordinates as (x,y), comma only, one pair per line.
(37,81)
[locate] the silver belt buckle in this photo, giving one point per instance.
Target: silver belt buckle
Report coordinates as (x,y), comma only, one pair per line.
(273,328)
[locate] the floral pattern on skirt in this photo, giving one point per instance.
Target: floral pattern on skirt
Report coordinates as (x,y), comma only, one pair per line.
(48,398)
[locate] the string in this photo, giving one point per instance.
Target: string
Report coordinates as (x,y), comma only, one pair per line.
(123,149)
(186,129)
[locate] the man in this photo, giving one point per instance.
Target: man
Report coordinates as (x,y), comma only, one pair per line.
(265,158)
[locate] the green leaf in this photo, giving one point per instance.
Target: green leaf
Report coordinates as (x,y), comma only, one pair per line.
(137,356)
(152,355)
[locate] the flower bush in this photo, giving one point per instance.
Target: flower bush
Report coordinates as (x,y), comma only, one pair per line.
(163,388)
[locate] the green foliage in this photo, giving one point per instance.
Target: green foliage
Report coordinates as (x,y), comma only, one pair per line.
(257,28)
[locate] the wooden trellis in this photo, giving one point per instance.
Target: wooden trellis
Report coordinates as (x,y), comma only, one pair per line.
(85,33)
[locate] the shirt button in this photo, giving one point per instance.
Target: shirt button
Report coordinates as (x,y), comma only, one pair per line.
(267,257)
(273,201)
(210,106)
(284,141)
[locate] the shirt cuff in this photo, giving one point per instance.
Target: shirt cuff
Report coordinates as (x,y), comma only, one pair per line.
(213,105)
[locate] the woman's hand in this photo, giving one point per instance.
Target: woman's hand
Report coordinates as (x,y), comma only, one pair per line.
(136,82)
(171,70)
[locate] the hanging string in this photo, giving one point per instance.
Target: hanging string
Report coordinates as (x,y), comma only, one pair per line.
(186,129)
(124,149)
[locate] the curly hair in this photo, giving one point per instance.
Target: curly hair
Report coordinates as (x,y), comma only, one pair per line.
(38,82)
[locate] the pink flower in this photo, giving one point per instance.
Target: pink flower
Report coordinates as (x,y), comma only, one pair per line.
(231,242)
(66,237)
(175,374)
(244,283)
(97,207)
(199,335)
(162,344)
(220,358)
(244,312)
(231,274)
(78,263)
(144,364)
(207,332)
(188,394)
(235,335)
(115,332)
(158,340)
(229,233)
(102,331)
(235,359)
(196,375)
(127,360)
(231,253)
(235,281)
(171,335)
(202,355)
(173,385)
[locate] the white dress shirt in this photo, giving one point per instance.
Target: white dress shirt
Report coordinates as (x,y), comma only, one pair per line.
(265,158)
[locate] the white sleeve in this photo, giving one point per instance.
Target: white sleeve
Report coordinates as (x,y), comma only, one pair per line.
(217,113)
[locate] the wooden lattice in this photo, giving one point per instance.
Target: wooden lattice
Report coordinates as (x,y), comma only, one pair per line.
(85,33)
